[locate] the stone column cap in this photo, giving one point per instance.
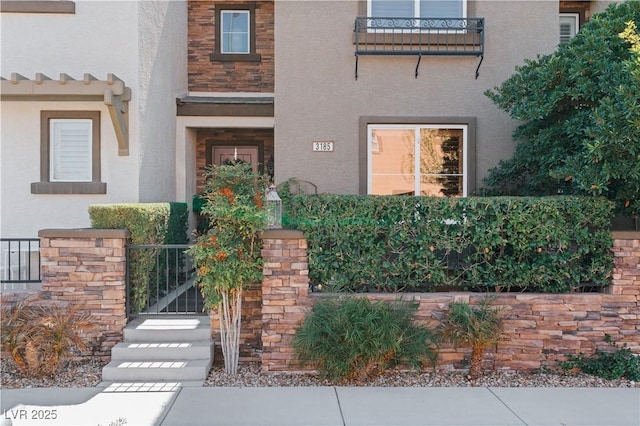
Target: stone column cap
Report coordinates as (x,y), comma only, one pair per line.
(282,234)
(84,233)
(626,235)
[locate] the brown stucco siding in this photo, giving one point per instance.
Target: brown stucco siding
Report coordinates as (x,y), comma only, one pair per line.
(207,75)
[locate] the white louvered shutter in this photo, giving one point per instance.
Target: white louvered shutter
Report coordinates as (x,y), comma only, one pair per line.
(70,150)
(568,27)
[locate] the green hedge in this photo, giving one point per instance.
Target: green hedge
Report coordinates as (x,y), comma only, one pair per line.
(148,223)
(399,243)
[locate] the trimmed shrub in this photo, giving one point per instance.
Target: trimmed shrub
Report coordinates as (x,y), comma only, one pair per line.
(356,339)
(397,243)
(148,223)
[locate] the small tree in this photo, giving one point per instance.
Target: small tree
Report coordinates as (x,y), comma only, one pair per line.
(478,326)
(581,116)
(227,257)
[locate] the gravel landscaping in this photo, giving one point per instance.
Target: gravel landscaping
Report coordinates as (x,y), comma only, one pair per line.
(89,375)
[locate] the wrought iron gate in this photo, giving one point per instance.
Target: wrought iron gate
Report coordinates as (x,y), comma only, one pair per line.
(161,280)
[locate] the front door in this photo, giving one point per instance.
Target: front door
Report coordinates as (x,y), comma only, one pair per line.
(248,154)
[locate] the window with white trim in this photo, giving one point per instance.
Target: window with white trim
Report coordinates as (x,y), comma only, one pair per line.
(417,8)
(235,31)
(425,159)
(70,150)
(569,24)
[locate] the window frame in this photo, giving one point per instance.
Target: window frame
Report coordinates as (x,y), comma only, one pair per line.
(218,54)
(47,184)
(469,144)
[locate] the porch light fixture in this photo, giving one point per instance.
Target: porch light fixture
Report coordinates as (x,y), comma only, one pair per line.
(274,209)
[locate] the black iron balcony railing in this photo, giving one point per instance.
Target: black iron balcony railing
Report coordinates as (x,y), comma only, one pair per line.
(419,37)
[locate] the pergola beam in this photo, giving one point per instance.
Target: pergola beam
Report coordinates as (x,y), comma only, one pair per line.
(112,91)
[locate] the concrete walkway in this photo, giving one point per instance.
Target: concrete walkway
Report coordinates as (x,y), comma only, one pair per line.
(174,405)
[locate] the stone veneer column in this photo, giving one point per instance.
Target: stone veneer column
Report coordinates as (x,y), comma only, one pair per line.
(626,264)
(285,300)
(87,267)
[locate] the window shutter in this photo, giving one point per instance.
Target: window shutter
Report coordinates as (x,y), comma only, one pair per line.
(568,27)
(71,146)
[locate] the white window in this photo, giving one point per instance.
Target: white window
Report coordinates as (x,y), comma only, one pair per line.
(428,159)
(71,147)
(236,31)
(417,8)
(569,24)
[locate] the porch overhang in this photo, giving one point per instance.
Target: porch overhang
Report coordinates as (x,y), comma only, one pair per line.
(225,106)
(112,91)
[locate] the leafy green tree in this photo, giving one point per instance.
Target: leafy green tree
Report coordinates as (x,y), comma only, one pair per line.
(580,108)
(227,257)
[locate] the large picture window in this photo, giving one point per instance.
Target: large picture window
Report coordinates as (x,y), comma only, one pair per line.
(428,159)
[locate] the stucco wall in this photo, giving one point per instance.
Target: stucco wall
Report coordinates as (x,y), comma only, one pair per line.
(142,43)
(318,97)
(162,77)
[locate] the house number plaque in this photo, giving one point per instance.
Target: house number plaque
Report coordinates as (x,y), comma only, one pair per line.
(322,146)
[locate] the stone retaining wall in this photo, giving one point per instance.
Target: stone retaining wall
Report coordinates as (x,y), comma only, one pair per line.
(86,267)
(540,329)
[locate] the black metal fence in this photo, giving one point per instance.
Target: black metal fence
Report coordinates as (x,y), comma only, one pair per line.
(161,280)
(20,260)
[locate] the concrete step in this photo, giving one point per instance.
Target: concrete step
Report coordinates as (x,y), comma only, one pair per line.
(154,351)
(156,371)
(154,329)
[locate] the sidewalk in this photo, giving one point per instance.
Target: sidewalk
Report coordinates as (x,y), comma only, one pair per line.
(172,405)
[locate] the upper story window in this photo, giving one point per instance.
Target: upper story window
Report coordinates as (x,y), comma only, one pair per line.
(417,8)
(235,33)
(569,24)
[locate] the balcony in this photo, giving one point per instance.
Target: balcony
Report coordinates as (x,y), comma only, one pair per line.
(419,37)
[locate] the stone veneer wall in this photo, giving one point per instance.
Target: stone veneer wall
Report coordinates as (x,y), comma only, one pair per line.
(285,300)
(540,329)
(85,268)
(206,75)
